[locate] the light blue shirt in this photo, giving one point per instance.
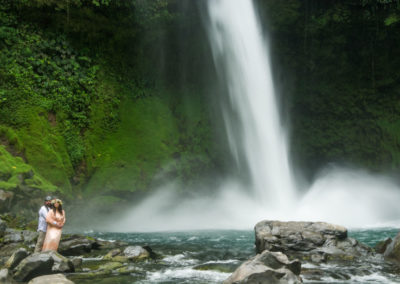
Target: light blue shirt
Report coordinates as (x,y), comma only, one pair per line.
(42,225)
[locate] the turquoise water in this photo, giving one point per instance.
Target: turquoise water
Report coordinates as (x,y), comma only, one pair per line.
(211,256)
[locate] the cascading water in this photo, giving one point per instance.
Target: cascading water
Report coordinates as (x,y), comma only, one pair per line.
(242,60)
(343,196)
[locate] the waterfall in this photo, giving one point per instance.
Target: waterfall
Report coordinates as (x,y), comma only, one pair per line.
(252,120)
(257,141)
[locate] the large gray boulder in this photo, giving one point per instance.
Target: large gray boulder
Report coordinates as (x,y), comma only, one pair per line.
(51,279)
(267,268)
(34,265)
(42,263)
(315,241)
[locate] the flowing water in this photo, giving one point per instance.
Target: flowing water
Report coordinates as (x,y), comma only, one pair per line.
(211,256)
(241,57)
(264,187)
(353,198)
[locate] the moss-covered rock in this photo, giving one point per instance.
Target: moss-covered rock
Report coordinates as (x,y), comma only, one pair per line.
(392,251)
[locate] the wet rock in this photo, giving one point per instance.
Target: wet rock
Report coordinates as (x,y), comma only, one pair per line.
(136,253)
(16,258)
(51,279)
(317,241)
(382,246)
(112,254)
(76,245)
(105,268)
(34,265)
(12,236)
(107,245)
(42,263)
(392,251)
(267,268)
(61,263)
(117,255)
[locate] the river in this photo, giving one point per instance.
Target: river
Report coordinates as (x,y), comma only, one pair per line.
(211,256)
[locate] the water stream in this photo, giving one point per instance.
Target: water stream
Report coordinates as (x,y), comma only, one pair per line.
(211,256)
(257,141)
(241,57)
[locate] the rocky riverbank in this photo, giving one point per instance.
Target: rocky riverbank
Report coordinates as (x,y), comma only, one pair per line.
(288,252)
(78,257)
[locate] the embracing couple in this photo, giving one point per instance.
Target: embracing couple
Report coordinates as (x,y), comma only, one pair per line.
(51,221)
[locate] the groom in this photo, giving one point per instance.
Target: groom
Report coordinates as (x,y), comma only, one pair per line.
(42,225)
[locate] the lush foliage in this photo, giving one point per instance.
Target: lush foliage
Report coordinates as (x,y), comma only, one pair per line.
(108,96)
(82,96)
(337,64)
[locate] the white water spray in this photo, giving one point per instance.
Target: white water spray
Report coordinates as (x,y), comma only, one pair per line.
(343,196)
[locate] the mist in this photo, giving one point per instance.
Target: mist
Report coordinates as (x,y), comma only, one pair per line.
(343,196)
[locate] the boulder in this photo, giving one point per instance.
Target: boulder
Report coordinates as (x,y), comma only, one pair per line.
(16,258)
(61,263)
(51,279)
(12,236)
(76,245)
(267,268)
(315,241)
(34,265)
(42,263)
(136,253)
(381,246)
(392,251)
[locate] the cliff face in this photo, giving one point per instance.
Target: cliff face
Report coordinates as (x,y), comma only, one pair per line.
(104,98)
(336,66)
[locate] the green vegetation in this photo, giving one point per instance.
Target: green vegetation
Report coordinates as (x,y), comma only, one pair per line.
(83,104)
(106,98)
(337,63)
(15,172)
